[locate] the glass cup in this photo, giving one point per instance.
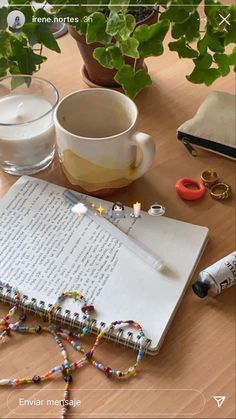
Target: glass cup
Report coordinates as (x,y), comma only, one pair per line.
(27,137)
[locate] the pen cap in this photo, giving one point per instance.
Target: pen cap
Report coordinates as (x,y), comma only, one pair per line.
(201,288)
(70,196)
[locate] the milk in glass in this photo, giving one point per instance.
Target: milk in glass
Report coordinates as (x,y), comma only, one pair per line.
(26,130)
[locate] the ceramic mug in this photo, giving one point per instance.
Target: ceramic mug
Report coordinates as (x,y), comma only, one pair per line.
(96,134)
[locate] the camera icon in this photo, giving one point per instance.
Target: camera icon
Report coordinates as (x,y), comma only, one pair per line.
(15,19)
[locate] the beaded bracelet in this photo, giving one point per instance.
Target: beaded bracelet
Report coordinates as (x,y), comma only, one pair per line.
(67,367)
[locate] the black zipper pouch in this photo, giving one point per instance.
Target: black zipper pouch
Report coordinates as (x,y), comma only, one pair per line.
(213,127)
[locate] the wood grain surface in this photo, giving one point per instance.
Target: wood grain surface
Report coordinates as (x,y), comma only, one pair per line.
(196,361)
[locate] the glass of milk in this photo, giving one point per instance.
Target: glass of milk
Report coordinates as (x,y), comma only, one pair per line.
(27,138)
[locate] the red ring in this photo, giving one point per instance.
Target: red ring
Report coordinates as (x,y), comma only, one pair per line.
(189,194)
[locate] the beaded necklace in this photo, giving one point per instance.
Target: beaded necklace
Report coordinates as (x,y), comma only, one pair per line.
(60,335)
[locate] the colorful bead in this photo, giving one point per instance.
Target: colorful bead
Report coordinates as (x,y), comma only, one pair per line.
(36,379)
(108,371)
(68,378)
(87,309)
(38,329)
(59,335)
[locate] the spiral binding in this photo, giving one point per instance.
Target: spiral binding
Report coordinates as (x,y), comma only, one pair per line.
(73,321)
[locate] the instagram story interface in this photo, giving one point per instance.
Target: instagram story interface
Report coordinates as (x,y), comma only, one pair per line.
(117,238)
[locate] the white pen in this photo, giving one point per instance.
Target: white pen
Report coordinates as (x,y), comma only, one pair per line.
(137,248)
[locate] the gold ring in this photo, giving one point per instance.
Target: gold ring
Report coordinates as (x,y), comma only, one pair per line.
(209,177)
(224,192)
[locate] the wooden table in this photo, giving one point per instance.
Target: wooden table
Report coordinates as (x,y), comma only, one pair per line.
(196,361)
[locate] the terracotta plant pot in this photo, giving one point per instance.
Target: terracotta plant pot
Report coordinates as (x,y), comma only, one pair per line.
(94,72)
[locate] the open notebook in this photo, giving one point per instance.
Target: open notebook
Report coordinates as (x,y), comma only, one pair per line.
(46,249)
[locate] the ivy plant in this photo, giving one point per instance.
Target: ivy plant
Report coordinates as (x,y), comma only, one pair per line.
(210,44)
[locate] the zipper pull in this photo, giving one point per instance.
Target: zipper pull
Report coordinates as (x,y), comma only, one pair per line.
(189,147)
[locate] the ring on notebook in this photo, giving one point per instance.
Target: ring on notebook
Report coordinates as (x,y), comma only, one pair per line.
(221,191)
(209,177)
(183,190)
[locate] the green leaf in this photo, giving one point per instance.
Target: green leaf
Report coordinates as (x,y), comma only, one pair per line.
(29,61)
(175,14)
(223,63)
(18,81)
(3,17)
(91,5)
(150,38)
(5,46)
(203,61)
(46,38)
(206,76)
(25,57)
(183,50)
(202,44)
(82,26)
(114,23)
(232,57)
(120,24)
(60,2)
(213,11)
(128,28)
(17,2)
(109,57)
(38,33)
(230,37)
(3,67)
(130,48)
(30,30)
(96,29)
(118,5)
(231,29)
(189,28)
(215,40)
(76,14)
(41,32)
(131,81)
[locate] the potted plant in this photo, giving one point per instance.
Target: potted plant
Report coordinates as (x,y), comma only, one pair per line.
(115,36)
(112,46)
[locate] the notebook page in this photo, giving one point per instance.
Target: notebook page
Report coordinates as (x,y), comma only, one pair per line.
(46,249)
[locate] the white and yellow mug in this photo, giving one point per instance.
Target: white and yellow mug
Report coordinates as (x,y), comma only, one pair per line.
(96,132)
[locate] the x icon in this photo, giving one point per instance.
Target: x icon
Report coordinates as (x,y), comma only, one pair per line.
(224,19)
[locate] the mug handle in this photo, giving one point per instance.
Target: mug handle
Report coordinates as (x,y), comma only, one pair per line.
(147,145)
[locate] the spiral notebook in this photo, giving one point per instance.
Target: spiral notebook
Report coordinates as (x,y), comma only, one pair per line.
(45,249)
